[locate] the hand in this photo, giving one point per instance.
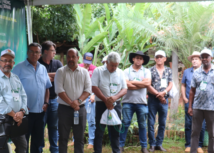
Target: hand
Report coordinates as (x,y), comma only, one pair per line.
(108,104)
(18,116)
(45,107)
(190,111)
(19,123)
(185,100)
(75,105)
(160,94)
(111,99)
(51,79)
(92,97)
(162,100)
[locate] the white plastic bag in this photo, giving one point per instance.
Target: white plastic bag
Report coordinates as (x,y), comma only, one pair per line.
(110,117)
(173,91)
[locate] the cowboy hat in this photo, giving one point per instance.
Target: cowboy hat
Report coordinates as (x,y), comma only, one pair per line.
(145,57)
(194,54)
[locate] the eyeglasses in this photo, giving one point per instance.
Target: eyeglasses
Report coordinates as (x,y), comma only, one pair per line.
(6,61)
(36,53)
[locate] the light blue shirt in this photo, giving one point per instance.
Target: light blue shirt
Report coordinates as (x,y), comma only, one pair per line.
(203,99)
(102,79)
(35,83)
(7,103)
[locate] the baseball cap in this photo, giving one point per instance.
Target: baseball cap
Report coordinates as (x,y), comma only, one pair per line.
(207,51)
(160,52)
(8,52)
(87,58)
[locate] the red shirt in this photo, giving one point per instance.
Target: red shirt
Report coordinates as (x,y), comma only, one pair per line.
(90,70)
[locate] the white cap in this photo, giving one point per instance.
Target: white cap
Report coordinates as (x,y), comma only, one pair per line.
(160,52)
(8,52)
(105,58)
(207,51)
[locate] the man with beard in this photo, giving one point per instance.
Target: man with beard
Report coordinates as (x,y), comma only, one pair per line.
(13,99)
(73,86)
(201,96)
(158,100)
(36,82)
(185,88)
(138,78)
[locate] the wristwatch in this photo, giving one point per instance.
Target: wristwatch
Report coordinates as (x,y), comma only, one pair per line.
(23,111)
(46,103)
(80,101)
(165,92)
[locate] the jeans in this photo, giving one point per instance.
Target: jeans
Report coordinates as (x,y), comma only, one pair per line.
(51,119)
(100,109)
(128,110)
(36,131)
(155,107)
(188,129)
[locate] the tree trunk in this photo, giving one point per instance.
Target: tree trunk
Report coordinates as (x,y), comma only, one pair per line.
(175,100)
(62,58)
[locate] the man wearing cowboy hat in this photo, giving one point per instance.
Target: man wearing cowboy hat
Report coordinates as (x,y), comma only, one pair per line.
(158,100)
(185,88)
(138,78)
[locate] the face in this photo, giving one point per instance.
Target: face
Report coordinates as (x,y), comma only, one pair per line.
(111,66)
(6,63)
(206,59)
(196,61)
(50,53)
(138,60)
(159,59)
(34,54)
(86,66)
(72,58)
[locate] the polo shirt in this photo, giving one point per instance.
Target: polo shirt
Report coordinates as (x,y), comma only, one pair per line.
(35,83)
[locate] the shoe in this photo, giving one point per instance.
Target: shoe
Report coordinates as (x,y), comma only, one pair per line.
(144,150)
(187,149)
(160,148)
(152,149)
(90,146)
(199,150)
(121,149)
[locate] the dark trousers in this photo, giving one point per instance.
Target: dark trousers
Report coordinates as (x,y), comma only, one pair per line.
(66,122)
(100,128)
(188,129)
(36,131)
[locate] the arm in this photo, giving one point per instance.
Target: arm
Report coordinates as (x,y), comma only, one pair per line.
(152,90)
(98,93)
(47,94)
(191,98)
(163,93)
(51,76)
(65,98)
(131,86)
(183,92)
(142,84)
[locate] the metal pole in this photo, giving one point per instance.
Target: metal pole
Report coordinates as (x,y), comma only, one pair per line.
(29,23)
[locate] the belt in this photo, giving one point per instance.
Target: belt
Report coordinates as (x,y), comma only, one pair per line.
(83,105)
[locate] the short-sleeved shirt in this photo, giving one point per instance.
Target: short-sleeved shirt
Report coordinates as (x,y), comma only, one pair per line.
(187,77)
(156,80)
(108,82)
(51,68)
(203,99)
(91,68)
(9,86)
(35,83)
(136,96)
(73,83)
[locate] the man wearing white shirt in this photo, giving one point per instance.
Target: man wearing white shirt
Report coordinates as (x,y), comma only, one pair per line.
(109,85)
(73,86)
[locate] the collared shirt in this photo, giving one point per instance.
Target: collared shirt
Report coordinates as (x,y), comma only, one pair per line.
(187,77)
(156,80)
(7,101)
(102,79)
(203,99)
(73,83)
(52,67)
(91,68)
(35,83)
(136,96)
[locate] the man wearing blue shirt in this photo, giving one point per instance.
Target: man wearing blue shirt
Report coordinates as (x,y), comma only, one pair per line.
(185,88)
(13,99)
(36,82)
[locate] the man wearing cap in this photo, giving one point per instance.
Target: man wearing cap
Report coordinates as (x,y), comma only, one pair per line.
(51,115)
(138,79)
(158,100)
(90,104)
(185,88)
(36,83)
(201,97)
(109,85)
(13,99)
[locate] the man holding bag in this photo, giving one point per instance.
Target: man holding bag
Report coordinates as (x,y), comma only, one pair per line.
(109,85)
(138,79)
(13,99)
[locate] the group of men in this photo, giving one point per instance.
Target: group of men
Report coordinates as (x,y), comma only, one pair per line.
(57,95)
